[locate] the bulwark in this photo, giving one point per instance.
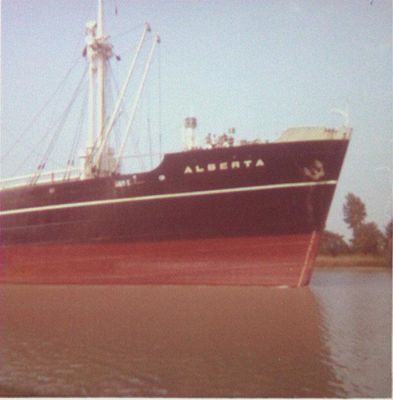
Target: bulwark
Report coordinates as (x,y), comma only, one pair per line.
(223,166)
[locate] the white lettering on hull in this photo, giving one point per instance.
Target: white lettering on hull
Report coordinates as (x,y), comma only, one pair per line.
(224,166)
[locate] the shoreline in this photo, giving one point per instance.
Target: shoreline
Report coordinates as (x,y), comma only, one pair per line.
(352,260)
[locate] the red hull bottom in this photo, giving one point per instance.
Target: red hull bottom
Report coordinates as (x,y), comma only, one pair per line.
(284,260)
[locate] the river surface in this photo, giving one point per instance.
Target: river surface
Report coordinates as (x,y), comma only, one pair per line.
(331,339)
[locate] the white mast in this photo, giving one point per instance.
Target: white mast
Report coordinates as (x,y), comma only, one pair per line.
(98,52)
(101,73)
(91,27)
(99,158)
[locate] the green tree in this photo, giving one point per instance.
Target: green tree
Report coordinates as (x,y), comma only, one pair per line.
(388,241)
(354,211)
(367,239)
(388,230)
(333,244)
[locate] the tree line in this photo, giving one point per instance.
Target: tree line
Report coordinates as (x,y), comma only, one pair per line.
(366,238)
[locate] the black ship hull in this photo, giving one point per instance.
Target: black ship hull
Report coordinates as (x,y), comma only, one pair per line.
(255,211)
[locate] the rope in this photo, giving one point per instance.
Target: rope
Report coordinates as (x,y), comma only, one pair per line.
(76,140)
(55,137)
(127,31)
(34,119)
(159,104)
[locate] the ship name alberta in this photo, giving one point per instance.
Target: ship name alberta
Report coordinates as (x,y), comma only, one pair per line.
(223,166)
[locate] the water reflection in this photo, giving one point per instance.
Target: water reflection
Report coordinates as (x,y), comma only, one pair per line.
(162,341)
(356,307)
(330,340)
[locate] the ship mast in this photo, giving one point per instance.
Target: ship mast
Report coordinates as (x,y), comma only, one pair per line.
(103,56)
(99,159)
(98,52)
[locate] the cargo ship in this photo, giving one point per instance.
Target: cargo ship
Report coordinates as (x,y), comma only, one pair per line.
(228,213)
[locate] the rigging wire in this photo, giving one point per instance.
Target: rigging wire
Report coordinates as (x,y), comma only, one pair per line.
(133,29)
(146,108)
(55,137)
(138,152)
(117,91)
(97,138)
(76,140)
(150,142)
(46,154)
(60,123)
(139,92)
(159,104)
(37,115)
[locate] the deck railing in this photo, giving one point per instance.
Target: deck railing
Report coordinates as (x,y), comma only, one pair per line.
(44,177)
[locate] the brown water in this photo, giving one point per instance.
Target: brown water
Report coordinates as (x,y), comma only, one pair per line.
(332,339)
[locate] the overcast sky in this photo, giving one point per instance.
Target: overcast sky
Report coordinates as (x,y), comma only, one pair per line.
(258,65)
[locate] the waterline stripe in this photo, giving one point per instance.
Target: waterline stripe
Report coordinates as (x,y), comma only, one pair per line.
(167,196)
